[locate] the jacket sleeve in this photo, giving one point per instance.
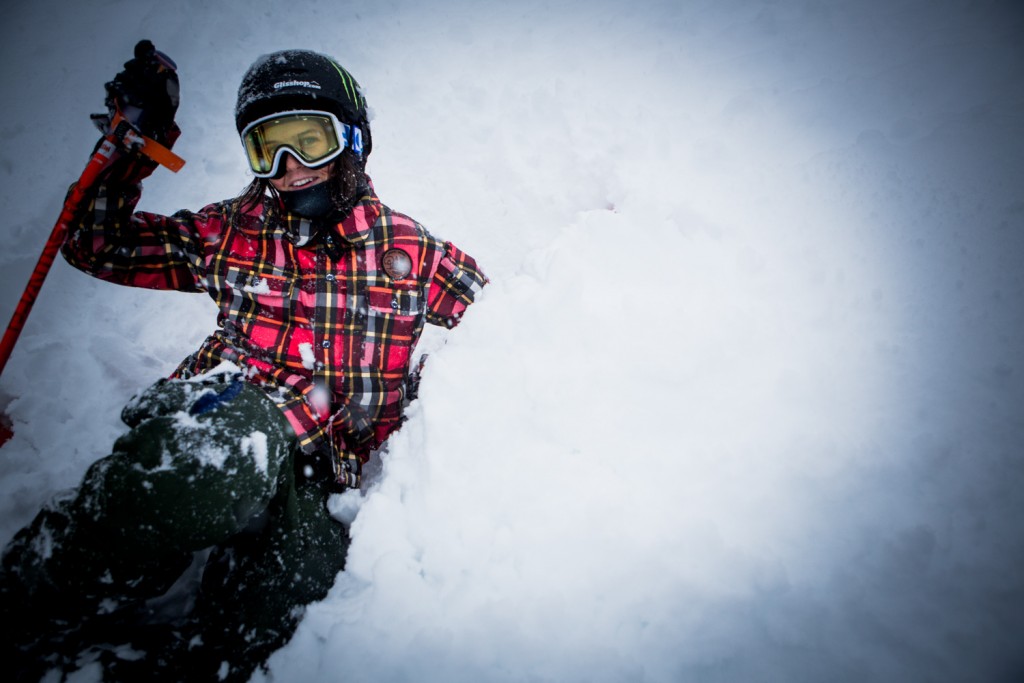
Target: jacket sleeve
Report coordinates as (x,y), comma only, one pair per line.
(111,241)
(455,284)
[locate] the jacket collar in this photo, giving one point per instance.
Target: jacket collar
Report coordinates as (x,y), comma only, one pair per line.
(353,228)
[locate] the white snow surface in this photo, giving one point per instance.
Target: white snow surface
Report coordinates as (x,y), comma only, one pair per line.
(743,399)
(256,446)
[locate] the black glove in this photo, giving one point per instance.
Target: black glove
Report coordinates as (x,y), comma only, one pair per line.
(317,469)
(146,92)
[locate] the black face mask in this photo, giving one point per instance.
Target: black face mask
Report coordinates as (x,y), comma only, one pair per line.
(313,202)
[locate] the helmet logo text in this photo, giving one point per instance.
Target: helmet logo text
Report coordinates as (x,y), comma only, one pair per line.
(297,84)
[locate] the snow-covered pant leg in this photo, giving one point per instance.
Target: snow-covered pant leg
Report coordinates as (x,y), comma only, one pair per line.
(254,589)
(200,463)
(254,595)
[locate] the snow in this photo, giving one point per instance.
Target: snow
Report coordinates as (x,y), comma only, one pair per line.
(256,446)
(742,401)
(260,287)
(307,355)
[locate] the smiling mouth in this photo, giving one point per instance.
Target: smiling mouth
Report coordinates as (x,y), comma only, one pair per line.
(303,182)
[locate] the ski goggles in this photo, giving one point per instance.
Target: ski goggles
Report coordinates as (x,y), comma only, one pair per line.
(313,137)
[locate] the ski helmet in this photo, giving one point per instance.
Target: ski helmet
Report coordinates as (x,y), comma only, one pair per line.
(292,80)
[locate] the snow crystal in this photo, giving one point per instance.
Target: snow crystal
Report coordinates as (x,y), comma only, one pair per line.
(261,286)
(255,445)
(345,506)
(107,606)
(225,367)
(308,357)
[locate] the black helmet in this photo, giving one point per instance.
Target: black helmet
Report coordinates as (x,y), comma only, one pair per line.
(301,79)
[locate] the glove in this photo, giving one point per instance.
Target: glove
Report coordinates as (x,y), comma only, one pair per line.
(146,92)
(318,469)
(354,425)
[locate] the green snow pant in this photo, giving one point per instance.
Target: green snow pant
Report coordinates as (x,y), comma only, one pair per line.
(196,542)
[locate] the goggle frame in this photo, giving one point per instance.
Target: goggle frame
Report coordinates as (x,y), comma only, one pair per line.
(346,136)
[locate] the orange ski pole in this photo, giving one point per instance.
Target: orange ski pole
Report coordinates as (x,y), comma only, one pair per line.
(105,154)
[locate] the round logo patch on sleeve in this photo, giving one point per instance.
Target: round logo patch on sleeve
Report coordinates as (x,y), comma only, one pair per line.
(396,264)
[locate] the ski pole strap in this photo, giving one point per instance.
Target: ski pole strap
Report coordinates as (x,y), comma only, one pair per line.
(123,131)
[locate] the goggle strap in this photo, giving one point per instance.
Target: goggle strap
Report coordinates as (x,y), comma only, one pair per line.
(352,136)
(357,140)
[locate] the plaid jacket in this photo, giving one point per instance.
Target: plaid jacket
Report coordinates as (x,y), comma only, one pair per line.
(324,320)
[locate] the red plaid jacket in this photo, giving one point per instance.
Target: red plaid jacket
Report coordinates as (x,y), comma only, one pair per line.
(326,323)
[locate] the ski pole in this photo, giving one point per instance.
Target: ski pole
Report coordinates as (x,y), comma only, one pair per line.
(105,154)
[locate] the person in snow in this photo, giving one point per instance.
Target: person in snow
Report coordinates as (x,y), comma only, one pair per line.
(221,480)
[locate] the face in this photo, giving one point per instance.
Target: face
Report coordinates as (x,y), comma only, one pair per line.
(312,140)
